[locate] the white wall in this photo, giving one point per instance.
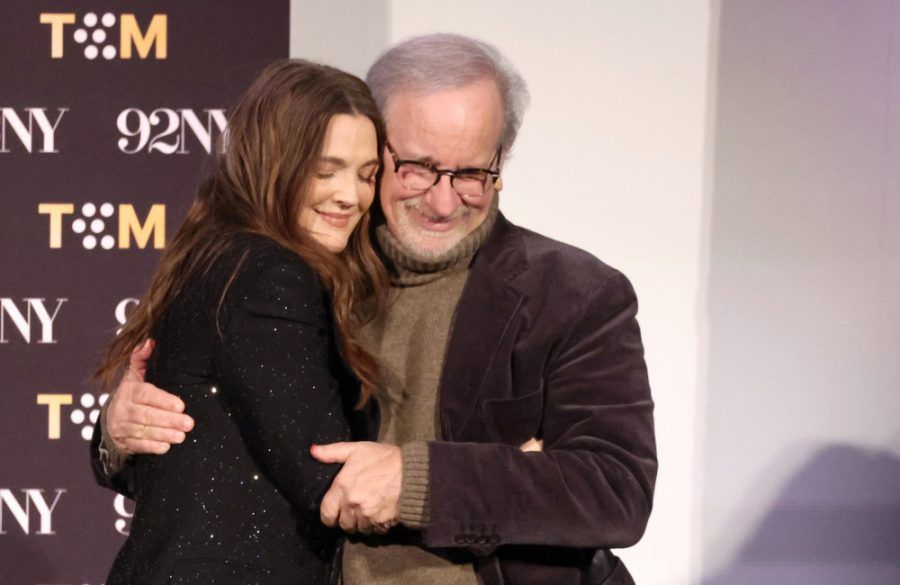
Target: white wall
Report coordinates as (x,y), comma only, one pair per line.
(346,34)
(611,159)
(801,473)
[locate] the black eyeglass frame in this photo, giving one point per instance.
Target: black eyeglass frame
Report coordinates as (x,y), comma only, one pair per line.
(438,173)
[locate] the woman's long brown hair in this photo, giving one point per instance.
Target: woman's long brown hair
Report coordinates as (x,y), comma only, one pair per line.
(271,151)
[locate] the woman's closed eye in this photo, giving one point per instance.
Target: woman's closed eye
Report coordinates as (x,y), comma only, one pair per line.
(369,173)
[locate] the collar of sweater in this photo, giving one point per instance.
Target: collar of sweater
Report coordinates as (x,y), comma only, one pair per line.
(411,268)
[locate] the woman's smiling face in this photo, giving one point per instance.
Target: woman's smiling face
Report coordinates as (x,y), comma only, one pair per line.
(344,185)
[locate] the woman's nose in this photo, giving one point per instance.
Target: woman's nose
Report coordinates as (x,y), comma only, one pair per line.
(348,193)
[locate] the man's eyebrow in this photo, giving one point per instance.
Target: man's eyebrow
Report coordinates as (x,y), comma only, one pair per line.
(430,161)
(427,159)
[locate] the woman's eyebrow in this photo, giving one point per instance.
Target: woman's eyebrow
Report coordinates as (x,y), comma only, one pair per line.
(341,163)
(333,160)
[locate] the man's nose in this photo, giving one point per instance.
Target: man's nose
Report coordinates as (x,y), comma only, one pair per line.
(442,199)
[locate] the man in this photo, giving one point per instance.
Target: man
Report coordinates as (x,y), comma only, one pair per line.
(516,444)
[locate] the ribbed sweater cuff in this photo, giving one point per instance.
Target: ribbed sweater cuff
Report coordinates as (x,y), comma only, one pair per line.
(112,459)
(414,493)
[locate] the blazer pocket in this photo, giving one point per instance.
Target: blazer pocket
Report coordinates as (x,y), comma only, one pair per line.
(205,570)
(514,420)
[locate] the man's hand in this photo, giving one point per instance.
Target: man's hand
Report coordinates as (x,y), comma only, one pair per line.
(532,445)
(365,494)
(142,418)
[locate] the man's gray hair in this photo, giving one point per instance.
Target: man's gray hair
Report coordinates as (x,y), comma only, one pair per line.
(444,61)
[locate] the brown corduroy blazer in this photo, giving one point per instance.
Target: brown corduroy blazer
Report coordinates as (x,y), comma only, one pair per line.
(544,343)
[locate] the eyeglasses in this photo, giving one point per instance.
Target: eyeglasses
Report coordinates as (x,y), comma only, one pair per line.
(469,183)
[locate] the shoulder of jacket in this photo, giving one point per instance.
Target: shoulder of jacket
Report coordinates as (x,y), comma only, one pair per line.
(265,278)
(255,262)
(563,263)
(252,255)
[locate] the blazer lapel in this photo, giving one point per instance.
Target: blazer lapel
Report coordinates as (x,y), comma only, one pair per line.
(485,310)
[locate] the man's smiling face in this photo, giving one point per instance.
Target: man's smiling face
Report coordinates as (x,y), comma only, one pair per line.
(450,129)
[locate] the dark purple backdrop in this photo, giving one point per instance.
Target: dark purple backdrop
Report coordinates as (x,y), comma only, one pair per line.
(126,155)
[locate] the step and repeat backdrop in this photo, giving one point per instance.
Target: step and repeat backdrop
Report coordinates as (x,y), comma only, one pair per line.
(108,114)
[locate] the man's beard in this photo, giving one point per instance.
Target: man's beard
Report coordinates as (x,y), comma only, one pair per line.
(421,241)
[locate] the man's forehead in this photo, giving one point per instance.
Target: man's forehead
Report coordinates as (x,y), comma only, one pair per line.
(438,123)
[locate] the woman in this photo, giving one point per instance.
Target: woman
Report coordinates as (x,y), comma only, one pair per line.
(252,309)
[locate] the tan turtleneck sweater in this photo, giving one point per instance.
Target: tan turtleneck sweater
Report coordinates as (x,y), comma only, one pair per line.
(409,340)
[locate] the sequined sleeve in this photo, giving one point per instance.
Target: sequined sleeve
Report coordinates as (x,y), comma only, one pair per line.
(278,379)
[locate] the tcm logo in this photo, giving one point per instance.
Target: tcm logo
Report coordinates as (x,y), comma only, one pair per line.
(33,128)
(30,509)
(92,224)
(168,131)
(32,318)
(84,415)
(97,35)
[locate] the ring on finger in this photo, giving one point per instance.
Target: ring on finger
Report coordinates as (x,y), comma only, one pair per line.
(383,527)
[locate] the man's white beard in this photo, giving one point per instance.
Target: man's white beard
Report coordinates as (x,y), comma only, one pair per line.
(423,242)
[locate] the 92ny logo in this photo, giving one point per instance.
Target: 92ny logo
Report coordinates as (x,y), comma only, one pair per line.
(29,508)
(125,510)
(163,130)
(35,128)
(97,35)
(32,317)
(167,131)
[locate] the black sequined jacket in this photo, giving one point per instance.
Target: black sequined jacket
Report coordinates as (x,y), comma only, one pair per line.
(263,378)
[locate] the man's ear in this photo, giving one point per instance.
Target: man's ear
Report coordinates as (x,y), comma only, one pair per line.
(498,184)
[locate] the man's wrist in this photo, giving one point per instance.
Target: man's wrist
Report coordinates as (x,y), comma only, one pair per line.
(414,495)
(112,459)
